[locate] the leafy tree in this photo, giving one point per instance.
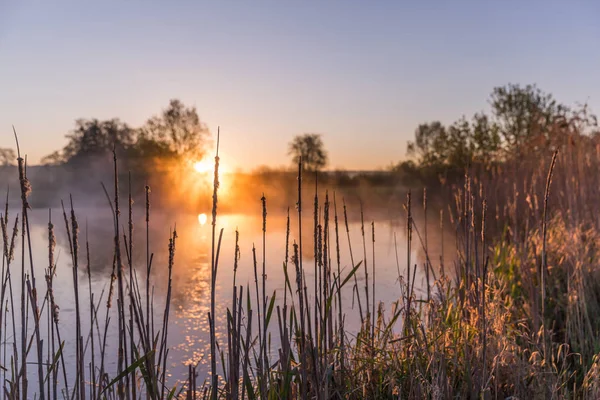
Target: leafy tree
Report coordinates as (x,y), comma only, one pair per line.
(485,138)
(460,144)
(93,138)
(523,119)
(312,150)
(55,158)
(7,157)
(430,145)
(176,131)
(457,145)
(523,114)
(146,147)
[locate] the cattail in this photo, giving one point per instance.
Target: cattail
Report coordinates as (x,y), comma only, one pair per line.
(213,273)
(216,185)
(4,236)
(303,350)
(442,242)
(51,244)
(54,308)
(373,282)
(258,302)
(13,240)
(50,271)
(287,236)
(287,255)
(408,261)
(544,233)
(6,206)
(113,278)
(339,293)
(148,263)
(263,201)
(24,182)
(236,257)
(369,317)
(147,190)
(75,232)
(355,290)
(163,346)
(264,287)
(130,215)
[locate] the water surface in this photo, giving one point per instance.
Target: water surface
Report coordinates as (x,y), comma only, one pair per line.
(188,325)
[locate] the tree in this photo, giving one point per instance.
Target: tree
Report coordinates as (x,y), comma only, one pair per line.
(7,157)
(312,150)
(457,145)
(430,146)
(92,139)
(524,113)
(55,158)
(523,119)
(460,144)
(176,131)
(485,138)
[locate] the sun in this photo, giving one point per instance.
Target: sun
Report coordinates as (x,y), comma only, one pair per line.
(203,167)
(207,166)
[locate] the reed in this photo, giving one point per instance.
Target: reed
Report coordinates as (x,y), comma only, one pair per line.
(213,278)
(468,335)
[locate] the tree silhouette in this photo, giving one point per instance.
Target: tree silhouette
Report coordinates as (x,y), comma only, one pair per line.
(177,130)
(175,133)
(93,139)
(522,120)
(524,113)
(7,157)
(431,144)
(312,150)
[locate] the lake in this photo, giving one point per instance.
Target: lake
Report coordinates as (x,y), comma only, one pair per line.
(188,327)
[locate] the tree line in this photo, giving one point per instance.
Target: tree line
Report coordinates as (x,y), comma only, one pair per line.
(522,121)
(175,133)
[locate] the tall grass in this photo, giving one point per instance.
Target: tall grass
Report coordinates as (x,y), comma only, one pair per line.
(480,330)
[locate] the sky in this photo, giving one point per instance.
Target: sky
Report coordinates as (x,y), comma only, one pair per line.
(363,74)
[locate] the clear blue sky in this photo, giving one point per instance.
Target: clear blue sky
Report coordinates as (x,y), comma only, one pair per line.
(362,73)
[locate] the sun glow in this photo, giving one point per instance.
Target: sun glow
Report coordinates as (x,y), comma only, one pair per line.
(204,173)
(207,166)
(203,166)
(202,218)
